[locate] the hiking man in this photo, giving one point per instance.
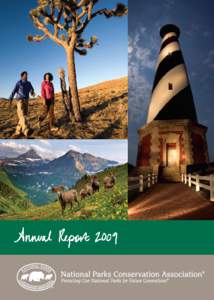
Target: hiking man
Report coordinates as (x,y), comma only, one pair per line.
(22,90)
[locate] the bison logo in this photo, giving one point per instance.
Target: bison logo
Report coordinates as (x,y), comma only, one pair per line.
(36,277)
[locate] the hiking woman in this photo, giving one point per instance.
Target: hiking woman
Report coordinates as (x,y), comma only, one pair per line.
(47,93)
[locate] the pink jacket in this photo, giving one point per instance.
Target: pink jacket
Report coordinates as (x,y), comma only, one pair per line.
(47,90)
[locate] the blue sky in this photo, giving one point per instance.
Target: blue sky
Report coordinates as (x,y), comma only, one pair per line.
(196,22)
(106,61)
(111,149)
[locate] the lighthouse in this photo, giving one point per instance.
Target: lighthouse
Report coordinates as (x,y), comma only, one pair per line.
(172,141)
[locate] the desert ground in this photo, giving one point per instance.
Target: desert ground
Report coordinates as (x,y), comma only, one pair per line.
(104,109)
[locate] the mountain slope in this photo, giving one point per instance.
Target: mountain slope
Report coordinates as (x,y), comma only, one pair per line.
(12,199)
(104,108)
(30,158)
(81,162)
(6,151)
(104,205)
(32,154)
(36,176)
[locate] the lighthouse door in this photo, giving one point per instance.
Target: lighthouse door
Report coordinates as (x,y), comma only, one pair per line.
(172,156)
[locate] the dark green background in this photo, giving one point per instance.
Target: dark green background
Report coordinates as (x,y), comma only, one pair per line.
(135,237)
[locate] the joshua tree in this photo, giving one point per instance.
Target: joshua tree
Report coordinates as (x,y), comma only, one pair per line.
(64,22)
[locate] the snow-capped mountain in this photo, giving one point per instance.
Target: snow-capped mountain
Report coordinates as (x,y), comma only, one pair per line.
(28,159)
(81,162)
(6,151)
(31,154)
(35,175)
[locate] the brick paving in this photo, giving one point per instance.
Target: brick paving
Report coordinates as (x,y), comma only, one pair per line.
(171,201)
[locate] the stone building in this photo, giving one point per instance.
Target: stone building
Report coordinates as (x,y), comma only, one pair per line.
(172,139)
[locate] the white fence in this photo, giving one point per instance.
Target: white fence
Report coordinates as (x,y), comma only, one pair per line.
(142,182)
(200,182)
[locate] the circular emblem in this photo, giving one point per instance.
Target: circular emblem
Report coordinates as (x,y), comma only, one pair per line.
(36,277)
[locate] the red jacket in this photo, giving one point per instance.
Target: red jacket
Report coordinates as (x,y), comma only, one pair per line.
(47,90)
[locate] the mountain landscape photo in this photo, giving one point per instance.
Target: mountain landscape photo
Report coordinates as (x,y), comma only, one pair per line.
(27,179)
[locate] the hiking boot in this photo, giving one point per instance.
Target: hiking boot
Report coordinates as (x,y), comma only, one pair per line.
(54,128)
(38,125)
(28,132)
(16,135)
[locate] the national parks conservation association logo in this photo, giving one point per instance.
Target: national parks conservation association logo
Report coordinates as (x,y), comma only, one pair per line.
(36,277)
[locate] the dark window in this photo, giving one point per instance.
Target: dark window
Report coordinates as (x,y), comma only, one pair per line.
(170,86)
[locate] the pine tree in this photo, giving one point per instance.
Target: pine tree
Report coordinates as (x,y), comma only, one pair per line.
(64,22)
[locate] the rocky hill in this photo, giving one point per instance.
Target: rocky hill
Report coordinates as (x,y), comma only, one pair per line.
(104,109)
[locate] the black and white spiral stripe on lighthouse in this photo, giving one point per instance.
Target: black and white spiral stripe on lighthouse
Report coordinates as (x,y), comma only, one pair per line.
(171,94)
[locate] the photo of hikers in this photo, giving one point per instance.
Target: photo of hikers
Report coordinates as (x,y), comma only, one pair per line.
(67,77)
(63,180)
(23,90)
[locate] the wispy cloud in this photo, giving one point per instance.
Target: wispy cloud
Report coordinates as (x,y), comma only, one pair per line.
(199,30)
(44,152)
(209,58)
(22,148)
(109,149)
(168,4)
(13,145)
(206,33)
(141,62)
(45,142)
(74,148)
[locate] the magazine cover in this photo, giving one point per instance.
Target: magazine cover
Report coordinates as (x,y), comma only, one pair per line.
(106,149)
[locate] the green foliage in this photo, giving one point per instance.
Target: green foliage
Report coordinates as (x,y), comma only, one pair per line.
(103,205)
(30,38)
(12,199)
(63,37)
(120,10)
(43,2)
(47,21)
(94,39)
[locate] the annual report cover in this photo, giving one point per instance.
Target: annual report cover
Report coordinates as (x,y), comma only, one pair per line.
(106,149)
